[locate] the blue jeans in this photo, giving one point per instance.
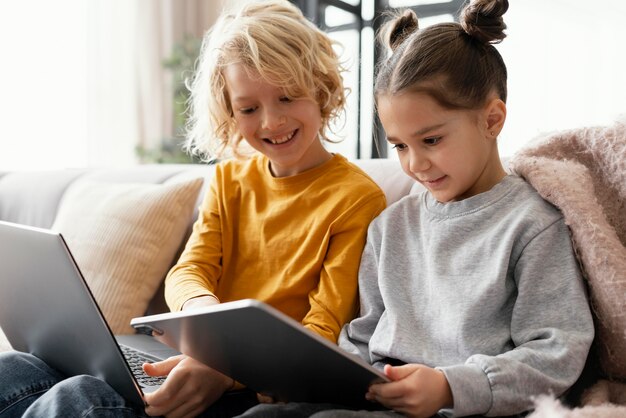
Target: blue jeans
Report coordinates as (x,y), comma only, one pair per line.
(30,388)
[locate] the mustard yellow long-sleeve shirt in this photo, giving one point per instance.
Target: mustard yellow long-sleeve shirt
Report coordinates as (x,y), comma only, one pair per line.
(292,242)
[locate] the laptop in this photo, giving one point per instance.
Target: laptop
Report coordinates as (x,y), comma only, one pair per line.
(47,309)
(267,351)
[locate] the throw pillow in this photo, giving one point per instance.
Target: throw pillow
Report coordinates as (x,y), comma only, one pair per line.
(124,237)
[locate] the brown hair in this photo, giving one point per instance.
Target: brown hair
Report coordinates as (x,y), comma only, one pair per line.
(455,63)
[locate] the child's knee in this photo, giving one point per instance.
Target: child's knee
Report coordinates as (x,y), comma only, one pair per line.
(81,386)
(16,366)
(23,379)
(13,359)
(84,396)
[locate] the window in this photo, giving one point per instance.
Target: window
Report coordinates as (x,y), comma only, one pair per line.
(353,23)
(550,87)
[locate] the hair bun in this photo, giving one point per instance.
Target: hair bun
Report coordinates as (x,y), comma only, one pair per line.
(482,19)
(398,29)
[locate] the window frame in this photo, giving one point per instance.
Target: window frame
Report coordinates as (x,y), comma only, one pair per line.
(315,10)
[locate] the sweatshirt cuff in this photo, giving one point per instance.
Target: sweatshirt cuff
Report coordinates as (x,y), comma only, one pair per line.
(180,299)
(471,391)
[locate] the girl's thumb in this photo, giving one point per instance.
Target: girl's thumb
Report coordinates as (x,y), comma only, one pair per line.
(398,372)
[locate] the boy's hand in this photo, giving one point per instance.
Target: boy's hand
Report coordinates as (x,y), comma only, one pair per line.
(190,388)
(415,390)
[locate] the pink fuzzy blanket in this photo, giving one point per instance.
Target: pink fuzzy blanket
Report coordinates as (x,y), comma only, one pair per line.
(583,173)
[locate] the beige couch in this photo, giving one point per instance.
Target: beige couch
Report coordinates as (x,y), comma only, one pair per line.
(126,227)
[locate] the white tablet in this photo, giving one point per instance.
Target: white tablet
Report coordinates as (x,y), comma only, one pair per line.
(267,351)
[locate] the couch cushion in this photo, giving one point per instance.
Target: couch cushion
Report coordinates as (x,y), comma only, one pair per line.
(32,198)
(124,237)
(389,176)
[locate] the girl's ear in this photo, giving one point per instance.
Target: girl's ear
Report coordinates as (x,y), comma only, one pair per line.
(495,113)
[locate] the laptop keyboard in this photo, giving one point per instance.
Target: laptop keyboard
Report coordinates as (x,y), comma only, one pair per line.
(135,359)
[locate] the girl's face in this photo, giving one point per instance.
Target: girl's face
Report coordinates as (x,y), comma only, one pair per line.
(453,153)
(283,128)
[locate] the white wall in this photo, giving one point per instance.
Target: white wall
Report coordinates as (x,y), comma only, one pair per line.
(43,84)
(567,66)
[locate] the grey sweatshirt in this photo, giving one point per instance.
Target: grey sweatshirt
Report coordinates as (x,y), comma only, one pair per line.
(487,289)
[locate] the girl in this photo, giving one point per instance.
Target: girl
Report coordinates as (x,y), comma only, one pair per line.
(472,301)
(286,226)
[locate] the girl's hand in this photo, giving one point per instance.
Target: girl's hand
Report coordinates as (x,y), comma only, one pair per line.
(415,390)
(190,388)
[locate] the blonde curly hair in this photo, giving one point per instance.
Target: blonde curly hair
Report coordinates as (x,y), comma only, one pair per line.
(275,40)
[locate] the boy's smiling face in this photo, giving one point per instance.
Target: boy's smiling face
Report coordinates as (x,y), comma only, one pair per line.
(453,153)
(284,129)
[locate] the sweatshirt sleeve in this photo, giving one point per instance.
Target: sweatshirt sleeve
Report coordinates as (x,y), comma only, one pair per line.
(355,335)
(551,331)
(199,267)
